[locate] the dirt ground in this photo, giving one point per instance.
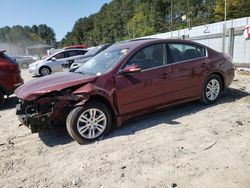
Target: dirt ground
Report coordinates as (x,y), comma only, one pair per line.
(191,145)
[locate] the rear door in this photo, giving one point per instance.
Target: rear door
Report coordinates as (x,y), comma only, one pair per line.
(189,65)
(146,89)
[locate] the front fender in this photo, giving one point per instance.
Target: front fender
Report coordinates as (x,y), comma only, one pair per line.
(90,90)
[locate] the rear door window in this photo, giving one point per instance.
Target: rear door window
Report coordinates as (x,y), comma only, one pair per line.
(184,52)
(73,53)
(149,57)
(82,52)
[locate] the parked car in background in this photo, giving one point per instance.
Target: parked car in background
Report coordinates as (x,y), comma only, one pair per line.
(24,61)
(91,53)
(55,62)
(10,77)
(128,79)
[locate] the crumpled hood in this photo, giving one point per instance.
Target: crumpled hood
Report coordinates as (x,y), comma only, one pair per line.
(37,87)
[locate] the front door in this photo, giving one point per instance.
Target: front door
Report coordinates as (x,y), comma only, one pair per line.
(146,89)
(57,62)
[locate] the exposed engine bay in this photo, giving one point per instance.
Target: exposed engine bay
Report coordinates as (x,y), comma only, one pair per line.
(41,113)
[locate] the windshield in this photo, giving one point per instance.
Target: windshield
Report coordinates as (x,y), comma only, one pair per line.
(46,57)
(102,62)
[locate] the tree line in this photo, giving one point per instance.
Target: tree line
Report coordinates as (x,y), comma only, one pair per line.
(25,36)
(125,19)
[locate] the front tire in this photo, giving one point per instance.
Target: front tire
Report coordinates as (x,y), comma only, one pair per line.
(89,122)
(44,71)
(211,89)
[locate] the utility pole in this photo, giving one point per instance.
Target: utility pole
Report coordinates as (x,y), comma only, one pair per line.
(171,20)
(225,13)
(224,27)
(189,15)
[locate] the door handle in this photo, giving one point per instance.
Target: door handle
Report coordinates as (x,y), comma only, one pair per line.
(164,76)
(204,64)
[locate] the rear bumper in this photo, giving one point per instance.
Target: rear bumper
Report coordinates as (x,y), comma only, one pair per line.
(230,76)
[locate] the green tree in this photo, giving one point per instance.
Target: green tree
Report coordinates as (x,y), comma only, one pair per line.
(125,19)
(47,34)
(235,9)
(25,36)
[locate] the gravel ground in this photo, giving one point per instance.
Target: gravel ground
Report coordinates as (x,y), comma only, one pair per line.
(191,145)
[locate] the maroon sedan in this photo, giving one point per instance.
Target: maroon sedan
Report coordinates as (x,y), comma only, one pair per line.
(128,79)
(10,77)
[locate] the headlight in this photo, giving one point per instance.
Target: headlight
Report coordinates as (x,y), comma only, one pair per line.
(33,65)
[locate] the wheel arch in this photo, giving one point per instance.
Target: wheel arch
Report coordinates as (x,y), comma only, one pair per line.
(221,77)
(105,101)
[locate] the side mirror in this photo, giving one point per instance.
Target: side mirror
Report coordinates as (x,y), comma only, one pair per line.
(131,69)
(53,59)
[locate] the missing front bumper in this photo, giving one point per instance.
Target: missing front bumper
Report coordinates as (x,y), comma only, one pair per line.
(36,123)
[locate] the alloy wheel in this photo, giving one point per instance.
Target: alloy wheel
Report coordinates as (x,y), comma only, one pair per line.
(213,89)
(45,71)
(91,123)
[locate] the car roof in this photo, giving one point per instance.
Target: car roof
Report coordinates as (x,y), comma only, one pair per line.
(2,51)
(74,49)
(135,43)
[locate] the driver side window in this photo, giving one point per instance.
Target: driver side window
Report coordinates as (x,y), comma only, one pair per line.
(148,57)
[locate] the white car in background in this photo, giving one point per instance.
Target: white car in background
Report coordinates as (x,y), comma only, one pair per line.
(55,62)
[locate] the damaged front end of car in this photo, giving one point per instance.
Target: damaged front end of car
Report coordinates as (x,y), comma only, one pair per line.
(47,110)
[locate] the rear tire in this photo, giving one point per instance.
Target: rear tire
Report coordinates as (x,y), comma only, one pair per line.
(211,89)
(1,99)
(89,122)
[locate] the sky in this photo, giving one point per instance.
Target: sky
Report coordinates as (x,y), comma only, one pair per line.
(58,14)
